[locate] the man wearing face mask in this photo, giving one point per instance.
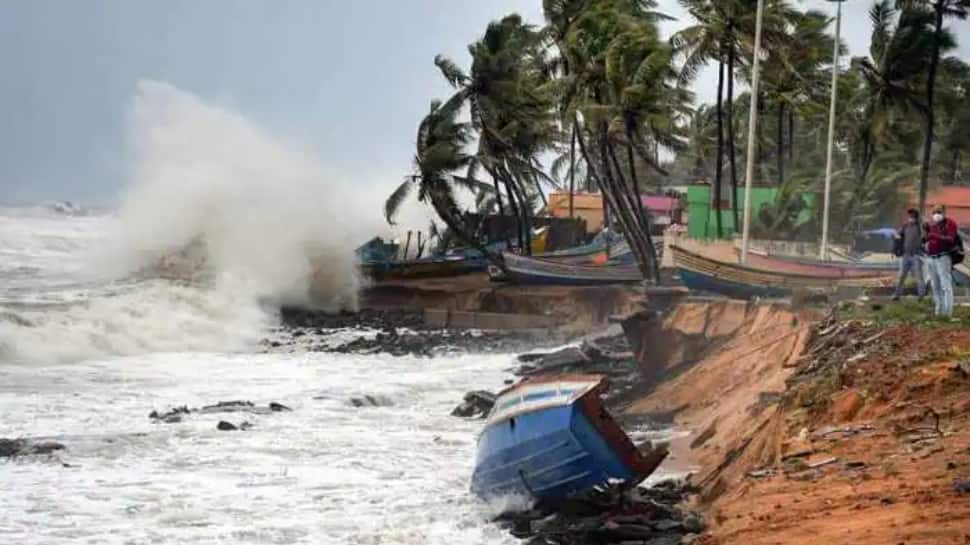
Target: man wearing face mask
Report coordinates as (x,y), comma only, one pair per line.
(909,248)
(941,239)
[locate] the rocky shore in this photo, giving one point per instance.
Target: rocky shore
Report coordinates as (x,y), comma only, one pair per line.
(397,332)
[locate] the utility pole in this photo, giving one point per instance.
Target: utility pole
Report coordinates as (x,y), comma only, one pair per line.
(752,124)
(824,246)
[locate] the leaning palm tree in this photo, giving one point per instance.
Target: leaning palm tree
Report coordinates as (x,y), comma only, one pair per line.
(508,95)
(620,73)
(440,153)
(941,10)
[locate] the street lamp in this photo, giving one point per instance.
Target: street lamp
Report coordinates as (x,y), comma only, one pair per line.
(752,123)
(828,160)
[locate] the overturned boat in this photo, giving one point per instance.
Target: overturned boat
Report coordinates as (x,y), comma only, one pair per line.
(550,438)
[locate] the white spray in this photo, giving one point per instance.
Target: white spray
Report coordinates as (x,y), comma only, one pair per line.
(275,228)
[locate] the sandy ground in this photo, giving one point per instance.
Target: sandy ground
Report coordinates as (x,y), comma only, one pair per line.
(820,432)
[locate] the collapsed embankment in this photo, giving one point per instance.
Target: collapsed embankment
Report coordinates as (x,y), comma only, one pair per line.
(813,427)
(578,309)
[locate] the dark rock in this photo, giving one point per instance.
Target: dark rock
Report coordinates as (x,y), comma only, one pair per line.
(476,403)
(279,407)
(950,466)
(371,401)
(666,525)
(226,426)
(694,524)
(245,425)
(228,407)
(44,447)
(298,333)
(10,448)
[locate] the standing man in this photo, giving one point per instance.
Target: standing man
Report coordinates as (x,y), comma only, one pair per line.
(909,243)
(941,239)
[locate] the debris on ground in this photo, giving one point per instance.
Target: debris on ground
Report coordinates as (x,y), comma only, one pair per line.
(610,515)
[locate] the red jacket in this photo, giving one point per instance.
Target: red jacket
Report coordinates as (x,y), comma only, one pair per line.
(940,237)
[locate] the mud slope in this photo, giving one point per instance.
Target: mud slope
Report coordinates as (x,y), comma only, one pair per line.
(802,430)
(719,365)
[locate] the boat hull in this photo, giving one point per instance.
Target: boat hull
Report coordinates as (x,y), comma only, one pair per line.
(536,271)
(700,273)
(822,269)
(550,444)
(423,269)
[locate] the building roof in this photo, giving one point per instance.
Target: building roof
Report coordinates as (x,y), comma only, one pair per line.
(660,203)
(950,196)
(955,198)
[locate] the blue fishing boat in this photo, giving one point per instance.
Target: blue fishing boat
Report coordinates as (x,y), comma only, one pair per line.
(549,438)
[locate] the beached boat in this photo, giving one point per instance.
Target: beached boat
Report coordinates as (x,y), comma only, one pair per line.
(842,268)
(816,267)
(550,437)
(424,268)
(700,273)
(533,270)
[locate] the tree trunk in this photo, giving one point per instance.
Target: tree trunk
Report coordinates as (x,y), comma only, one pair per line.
(449,215)
(526,218)
(572,169)
(498,197)
(760,149)
(614,195)
(644,214)
(730,128)
(780,144)
(719,160)
(955,166)
(513,205)
(791,136)
(924,173)
(542,196)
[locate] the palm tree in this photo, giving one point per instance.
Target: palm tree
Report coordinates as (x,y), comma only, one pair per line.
(620,87)
(901,49)
(698,45)
(508,95)
(941,9)
(793,76)
(440,153)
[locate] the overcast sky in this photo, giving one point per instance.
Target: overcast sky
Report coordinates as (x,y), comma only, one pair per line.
(347,79)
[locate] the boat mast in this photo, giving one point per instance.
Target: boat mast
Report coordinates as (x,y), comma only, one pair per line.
(828,160)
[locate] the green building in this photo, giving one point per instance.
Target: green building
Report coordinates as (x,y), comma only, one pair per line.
(701,222)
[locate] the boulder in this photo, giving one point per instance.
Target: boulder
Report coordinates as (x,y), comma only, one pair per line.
(477,403)
(226,426)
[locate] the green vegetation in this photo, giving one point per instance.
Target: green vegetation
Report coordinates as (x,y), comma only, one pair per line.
(908,311)
(598,99)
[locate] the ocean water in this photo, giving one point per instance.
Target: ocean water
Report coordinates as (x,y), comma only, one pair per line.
(85,356)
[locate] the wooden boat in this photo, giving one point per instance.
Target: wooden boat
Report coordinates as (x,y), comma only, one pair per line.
(759,259)
(815,267)
(550,437)
(424,268)
(532,270)
(700,273)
